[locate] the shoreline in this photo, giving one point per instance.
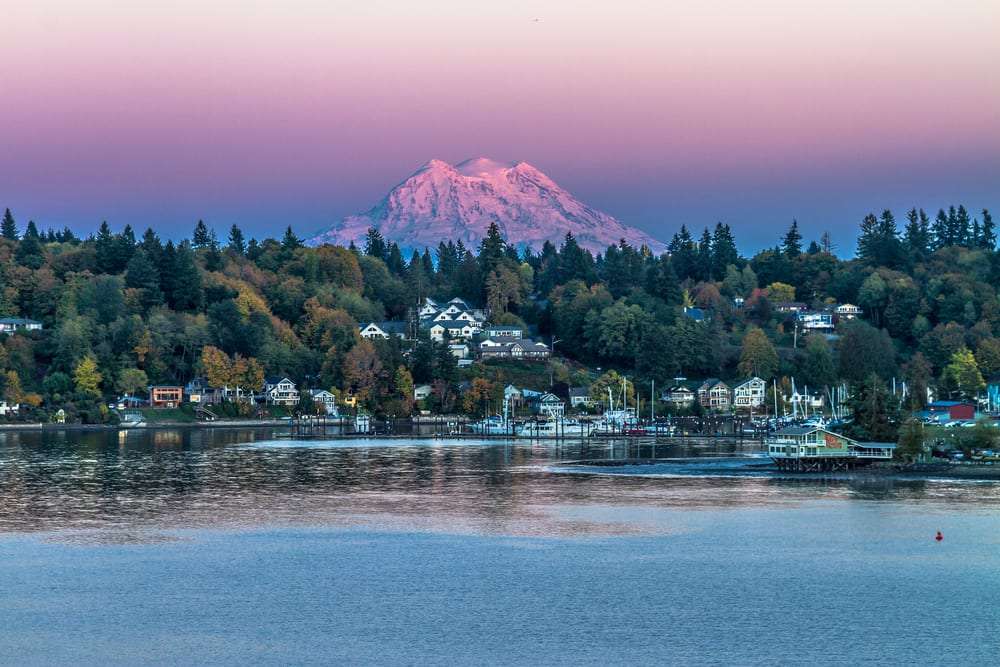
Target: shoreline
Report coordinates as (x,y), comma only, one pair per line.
(228,423)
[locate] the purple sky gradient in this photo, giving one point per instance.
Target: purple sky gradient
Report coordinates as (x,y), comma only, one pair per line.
(660,113)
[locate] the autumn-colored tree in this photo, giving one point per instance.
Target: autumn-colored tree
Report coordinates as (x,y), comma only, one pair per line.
(13,393)
(362,368)
(87,377)
(779,292)
(476,398)
(757,357)
(248,373)
(218,367)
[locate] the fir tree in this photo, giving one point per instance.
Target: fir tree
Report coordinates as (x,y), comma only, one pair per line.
(375,244)
(29,251)
(290,242)
(987,233)
(200,238)
(8,228)
(704,256)
(236,242)
(791,246)
(941,231)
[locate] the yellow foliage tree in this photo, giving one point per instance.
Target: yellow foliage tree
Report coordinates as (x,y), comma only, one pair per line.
(87,377)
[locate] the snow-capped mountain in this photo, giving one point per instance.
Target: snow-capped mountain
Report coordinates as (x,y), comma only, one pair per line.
(442,201)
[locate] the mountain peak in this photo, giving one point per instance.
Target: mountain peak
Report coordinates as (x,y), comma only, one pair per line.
(443,202)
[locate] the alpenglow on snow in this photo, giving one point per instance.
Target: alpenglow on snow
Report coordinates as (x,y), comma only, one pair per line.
(443,202)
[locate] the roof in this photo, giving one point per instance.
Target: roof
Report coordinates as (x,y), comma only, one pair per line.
(504,327)
(579,391)
(947,404)
(17,320)
(388,326)
(747,381)
(805,430)
(275,379)
(696,314)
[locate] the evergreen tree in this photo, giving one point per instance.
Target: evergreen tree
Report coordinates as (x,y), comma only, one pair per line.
(186,292)
(236,242)
(29,251)
(143,274)
(394,260)
(254,250)
(724,252)
(987,233)
(213,256)
(876,411)
(200,238)
(375,244)
(791,246)
(963,231)
(290,242)
(914,236)
(682,254)
(492,250)
(941,231)
(8,228)
(106,250)
(704,256)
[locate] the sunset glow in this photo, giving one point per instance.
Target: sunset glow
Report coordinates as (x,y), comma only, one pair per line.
(660,113)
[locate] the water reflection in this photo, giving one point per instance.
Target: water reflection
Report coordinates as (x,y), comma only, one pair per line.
(131,482)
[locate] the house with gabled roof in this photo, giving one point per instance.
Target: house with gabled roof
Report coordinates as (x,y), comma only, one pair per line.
(749,394)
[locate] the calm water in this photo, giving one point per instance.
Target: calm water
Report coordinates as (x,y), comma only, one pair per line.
(229,547)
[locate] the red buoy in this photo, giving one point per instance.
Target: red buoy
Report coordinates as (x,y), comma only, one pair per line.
(939,536)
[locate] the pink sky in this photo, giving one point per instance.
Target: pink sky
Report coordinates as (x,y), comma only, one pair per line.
(267,113)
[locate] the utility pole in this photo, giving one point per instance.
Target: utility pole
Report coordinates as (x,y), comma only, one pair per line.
(552,351)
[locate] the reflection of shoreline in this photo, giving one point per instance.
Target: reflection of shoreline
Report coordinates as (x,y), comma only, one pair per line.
(755,466)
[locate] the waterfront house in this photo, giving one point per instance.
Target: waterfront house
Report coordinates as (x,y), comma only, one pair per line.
(421,392)
(9,325)
(165,396)
(325,398)
(199,391)
(579,397)
(714,394)
(544,404)
(280,391)
(811,448)
(8,409)
(385,329)
(679,396)
(749,394)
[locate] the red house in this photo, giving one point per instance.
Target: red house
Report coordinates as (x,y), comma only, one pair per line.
(162,396)
(955,409)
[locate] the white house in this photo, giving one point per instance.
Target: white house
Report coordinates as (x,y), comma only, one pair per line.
(12,324)
(326,399)
(438,331)
(8,409)
(816,321)
(384,329)
(847,311)
(679,396)
(579,397)
(429,307)
(459,350)
(421,392)
(750,393)
(503,331)
(280,391)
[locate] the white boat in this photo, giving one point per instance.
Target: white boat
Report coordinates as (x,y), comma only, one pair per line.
(495,425)
(553,428)
(362,423)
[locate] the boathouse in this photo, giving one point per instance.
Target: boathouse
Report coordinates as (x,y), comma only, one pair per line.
(815,449)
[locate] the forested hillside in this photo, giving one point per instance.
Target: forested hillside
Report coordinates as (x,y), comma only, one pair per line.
(120,312)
